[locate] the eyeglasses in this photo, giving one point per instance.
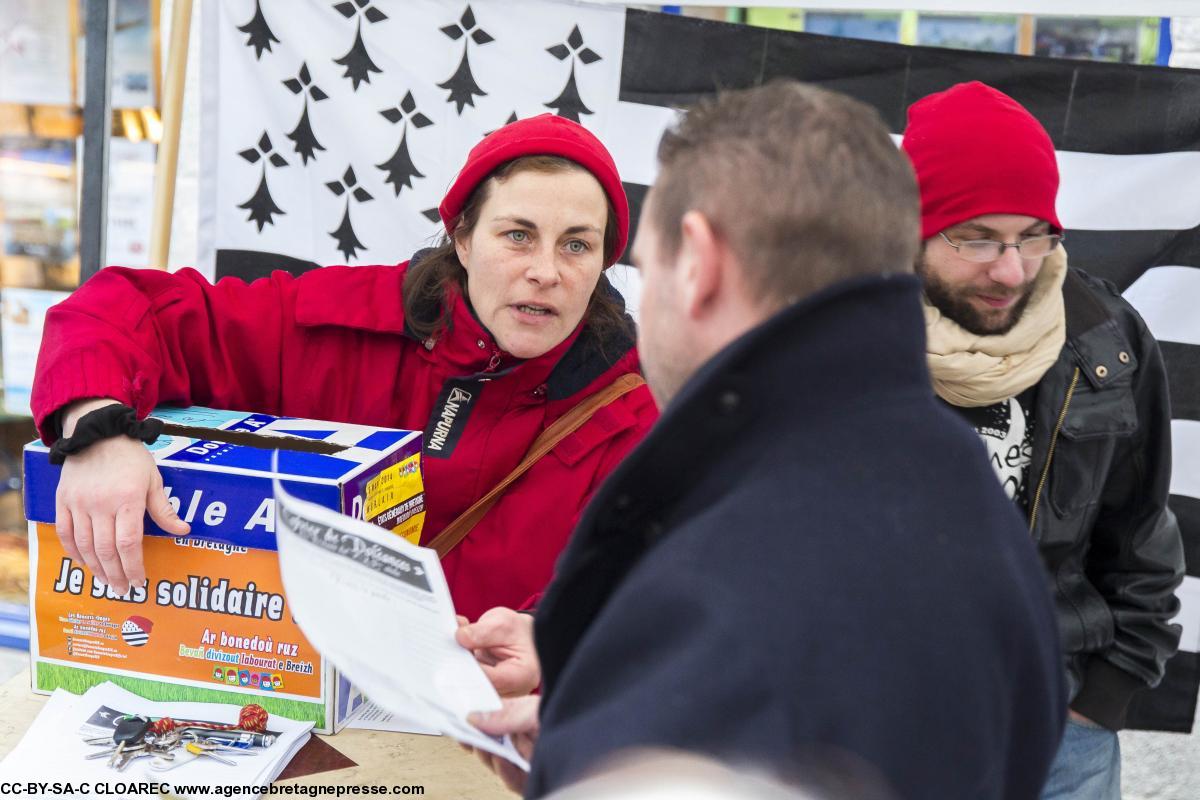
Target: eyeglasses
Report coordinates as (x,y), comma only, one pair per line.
(984,250)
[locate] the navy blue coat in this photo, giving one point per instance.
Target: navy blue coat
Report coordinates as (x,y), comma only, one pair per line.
(808,562)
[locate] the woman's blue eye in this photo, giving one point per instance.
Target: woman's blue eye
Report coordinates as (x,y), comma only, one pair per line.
(577,246)
(518,236)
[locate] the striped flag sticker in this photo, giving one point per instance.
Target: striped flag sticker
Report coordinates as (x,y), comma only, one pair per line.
(135,631)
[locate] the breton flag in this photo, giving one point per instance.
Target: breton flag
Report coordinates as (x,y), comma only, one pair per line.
(331,130)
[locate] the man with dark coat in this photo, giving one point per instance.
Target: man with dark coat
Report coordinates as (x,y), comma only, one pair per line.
(808,565)
(1066,387)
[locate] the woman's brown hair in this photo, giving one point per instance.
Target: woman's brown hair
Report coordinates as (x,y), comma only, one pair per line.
(438,271)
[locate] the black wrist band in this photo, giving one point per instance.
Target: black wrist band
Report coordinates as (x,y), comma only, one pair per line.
(105,423)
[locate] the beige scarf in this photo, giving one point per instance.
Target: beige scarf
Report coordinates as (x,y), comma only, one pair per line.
(970,370)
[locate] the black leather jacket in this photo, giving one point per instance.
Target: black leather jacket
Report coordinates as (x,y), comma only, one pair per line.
(1098,501)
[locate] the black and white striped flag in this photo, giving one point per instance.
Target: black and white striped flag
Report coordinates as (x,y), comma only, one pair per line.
(332,129)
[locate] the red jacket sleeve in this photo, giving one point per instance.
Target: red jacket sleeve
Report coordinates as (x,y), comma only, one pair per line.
(145,337)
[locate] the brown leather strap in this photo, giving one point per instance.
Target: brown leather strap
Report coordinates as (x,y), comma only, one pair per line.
(563,427)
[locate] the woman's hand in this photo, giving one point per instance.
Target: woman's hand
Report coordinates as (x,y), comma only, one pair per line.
(502,642)
(103,494)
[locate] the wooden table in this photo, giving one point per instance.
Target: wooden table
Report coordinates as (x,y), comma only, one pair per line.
(384,759)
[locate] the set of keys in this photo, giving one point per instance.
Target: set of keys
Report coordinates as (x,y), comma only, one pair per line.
(134,738)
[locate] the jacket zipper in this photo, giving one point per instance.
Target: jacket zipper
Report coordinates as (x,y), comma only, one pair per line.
(1062,416)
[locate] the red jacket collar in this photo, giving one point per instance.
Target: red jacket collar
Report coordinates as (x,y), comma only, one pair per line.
(469,348)
(370,299)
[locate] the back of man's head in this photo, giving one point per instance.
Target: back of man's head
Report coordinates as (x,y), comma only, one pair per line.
(805,186)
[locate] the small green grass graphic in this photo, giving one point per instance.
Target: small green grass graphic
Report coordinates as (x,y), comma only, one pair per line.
(78,681)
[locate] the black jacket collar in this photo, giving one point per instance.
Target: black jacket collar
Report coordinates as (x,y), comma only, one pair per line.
(836,347)
(839,350)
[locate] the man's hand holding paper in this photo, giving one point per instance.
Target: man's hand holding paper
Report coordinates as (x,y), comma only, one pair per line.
(502,641)
(518,721)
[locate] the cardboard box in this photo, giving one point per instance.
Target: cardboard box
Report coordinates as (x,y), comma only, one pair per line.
(212,623)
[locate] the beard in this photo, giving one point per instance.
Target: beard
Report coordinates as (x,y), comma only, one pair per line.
(955,304)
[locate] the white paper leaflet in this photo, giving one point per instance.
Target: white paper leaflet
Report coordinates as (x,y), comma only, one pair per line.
(379,608)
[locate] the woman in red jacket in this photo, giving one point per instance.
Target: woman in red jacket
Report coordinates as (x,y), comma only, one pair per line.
(482,342)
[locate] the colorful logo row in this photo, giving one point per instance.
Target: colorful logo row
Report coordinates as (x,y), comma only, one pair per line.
(244,677)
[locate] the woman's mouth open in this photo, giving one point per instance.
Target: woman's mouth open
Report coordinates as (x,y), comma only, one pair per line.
(533,311)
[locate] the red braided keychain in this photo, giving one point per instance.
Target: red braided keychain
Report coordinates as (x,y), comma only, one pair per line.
(251,718)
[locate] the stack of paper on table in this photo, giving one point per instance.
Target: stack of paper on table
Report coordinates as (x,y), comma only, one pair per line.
(53,749)
(371,717)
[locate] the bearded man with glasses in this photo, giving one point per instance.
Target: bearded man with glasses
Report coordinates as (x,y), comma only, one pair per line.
(1066,387)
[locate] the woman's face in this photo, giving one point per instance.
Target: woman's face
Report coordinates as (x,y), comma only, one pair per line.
(534,257)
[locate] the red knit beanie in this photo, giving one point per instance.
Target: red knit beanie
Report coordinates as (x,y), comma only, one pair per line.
(543,135)
(977,151)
